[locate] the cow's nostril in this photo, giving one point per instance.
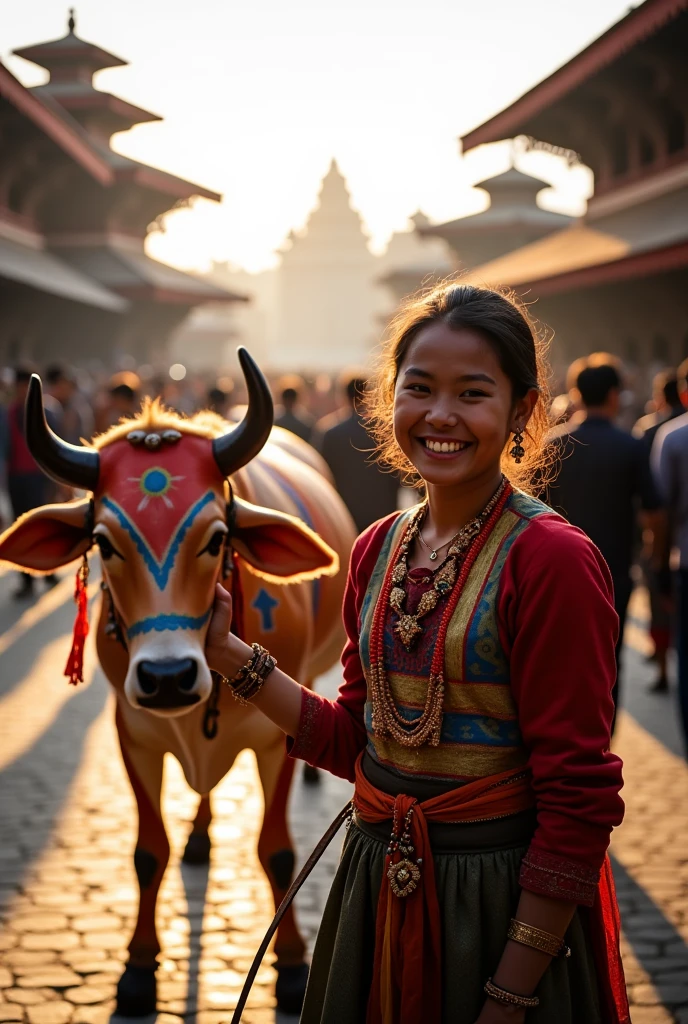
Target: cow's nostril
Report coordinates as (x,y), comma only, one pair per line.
(163,679)
(187,674)
(149,680)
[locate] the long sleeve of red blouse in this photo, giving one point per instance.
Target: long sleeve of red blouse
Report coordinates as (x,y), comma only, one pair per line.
(559,628)
(332,734)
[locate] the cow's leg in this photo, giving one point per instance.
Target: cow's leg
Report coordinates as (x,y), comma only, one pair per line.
(197,850)
(276,855)
(136,991)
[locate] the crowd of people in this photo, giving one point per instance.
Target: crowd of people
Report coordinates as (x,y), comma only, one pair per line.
(624,485)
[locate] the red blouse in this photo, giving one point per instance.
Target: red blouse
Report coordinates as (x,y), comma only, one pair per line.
(558,627)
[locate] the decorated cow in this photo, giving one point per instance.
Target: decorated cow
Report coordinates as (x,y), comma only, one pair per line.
(174,505)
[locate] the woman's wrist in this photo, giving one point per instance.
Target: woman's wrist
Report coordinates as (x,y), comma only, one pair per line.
(231,657)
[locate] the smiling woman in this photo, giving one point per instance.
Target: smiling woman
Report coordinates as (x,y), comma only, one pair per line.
(474,884)
(498,358)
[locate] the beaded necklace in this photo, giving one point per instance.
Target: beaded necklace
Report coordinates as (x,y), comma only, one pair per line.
(449,581)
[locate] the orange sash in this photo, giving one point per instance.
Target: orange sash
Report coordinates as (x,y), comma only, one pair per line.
(407,974)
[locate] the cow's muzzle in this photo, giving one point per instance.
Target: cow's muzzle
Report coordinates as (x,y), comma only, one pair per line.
(167,683)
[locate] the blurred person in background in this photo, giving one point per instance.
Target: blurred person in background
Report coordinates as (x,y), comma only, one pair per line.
(367,491)
(666,407)
(603,482)
(27,486)
(120,400)
(670,463)
(294,415)
(218,401)
(76,419)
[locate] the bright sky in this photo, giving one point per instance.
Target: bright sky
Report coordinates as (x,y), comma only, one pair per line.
(259,96)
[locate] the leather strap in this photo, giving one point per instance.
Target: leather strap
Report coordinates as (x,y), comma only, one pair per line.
(303,874)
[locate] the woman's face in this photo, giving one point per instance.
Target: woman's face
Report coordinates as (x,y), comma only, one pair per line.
(454,408)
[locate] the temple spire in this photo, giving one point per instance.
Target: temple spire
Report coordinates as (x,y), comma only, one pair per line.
(71,23)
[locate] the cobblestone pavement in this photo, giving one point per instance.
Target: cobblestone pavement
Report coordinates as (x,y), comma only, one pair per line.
(67,887)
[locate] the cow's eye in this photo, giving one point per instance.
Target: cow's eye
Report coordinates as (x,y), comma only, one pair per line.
(105,547)
(214,545)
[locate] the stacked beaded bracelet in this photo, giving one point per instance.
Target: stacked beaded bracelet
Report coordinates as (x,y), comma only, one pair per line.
(506,998)
(250,678)
(527,935)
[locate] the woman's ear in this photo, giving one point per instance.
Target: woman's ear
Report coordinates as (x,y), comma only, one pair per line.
(523,410)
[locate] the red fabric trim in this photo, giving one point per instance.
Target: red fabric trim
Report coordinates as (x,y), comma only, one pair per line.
(301,745)
(558,877)
(605,930)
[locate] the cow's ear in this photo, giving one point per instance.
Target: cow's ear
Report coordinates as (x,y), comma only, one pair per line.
(48,537)
(279,547)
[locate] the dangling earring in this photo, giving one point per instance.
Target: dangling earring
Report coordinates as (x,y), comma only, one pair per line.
(518,451)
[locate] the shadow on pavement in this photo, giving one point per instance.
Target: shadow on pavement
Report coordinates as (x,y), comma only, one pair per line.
(33,788)
(652,937)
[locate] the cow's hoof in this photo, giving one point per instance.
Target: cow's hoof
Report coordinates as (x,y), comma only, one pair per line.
(291,988)
(311,775)
(137,992)
(197,850)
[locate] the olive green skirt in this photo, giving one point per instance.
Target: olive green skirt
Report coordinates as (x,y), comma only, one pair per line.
(478,894)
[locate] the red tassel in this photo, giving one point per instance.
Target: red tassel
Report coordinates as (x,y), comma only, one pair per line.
(75,663)
(237,599)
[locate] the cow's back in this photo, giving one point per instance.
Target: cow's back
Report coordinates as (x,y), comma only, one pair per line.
(284,477)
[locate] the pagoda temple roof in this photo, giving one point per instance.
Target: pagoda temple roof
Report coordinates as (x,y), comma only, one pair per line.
(513,180)
(33,266)
(580,256)
(56,123)
(70,50)
(130,272)
(70,94)
(640,23)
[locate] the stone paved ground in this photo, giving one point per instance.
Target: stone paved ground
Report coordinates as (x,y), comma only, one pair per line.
(67,886)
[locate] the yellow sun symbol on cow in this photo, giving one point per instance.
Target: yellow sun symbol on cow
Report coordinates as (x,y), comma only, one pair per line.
(156,482)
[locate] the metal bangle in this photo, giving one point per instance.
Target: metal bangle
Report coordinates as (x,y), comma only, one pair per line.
(506,998)
(538,939)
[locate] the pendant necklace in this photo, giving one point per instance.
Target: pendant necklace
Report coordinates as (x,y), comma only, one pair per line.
(433,551)
(448,582)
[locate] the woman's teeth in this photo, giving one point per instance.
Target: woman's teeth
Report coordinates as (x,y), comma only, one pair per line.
(446,446)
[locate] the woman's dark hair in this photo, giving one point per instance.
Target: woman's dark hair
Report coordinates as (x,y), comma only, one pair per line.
(505,324)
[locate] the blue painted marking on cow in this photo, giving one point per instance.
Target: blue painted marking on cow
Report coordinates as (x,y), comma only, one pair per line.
(155,481)
(160,571)
(304,514)
(167,621)
(265,605)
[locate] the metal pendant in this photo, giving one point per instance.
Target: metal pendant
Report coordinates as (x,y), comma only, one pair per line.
(433,556)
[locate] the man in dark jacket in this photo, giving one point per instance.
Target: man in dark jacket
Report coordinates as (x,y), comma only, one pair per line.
(368,493)
(604,482)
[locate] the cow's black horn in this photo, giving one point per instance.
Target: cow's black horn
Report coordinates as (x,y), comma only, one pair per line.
(66,463)
(240,445)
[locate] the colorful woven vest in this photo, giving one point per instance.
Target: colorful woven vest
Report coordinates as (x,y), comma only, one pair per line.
(480,734)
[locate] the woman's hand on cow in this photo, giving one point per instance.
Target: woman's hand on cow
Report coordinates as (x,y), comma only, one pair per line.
(225,652)
(280,696)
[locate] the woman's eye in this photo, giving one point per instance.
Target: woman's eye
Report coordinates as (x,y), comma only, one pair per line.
(105,547)
(215,544)
(419,389)
(473,393)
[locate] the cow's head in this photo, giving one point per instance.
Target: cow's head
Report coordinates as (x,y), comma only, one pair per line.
(161,514)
